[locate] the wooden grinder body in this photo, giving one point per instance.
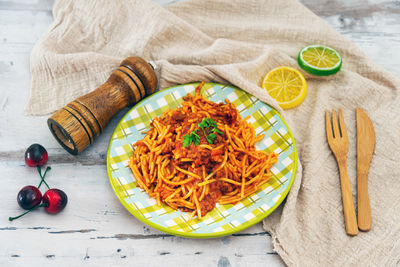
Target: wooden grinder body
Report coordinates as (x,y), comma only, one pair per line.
(80,122)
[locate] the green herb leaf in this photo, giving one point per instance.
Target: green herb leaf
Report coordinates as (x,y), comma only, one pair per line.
(195,138)
(209,123)
(187,140)
(203,124)
(215,130)
(212,123)
(211,137)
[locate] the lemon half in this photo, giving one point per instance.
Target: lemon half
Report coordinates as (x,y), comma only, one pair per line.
(286,85)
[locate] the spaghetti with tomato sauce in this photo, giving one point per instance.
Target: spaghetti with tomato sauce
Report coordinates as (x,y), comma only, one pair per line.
(200,154)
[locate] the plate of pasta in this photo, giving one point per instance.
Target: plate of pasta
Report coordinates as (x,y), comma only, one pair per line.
(201,160)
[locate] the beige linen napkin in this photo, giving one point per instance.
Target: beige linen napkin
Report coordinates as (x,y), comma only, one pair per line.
(238,42)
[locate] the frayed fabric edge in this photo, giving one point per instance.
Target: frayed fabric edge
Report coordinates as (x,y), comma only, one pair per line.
(278,247)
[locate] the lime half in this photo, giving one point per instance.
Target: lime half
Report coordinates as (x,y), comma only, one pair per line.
(319,60)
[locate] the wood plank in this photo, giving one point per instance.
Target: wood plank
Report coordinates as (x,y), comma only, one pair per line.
(94,226)
(78,248)
(23,27)
(352,8)
(39,5)
(92,203)
(377,33)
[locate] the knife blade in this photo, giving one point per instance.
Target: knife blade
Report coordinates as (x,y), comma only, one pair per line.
(365,150)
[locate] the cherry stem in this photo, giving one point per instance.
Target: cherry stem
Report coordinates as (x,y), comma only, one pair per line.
(38,206)
(42,177)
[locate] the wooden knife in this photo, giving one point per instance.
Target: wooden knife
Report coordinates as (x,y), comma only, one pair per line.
(365,150)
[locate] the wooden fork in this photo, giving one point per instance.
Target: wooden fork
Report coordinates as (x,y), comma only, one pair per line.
(339,144)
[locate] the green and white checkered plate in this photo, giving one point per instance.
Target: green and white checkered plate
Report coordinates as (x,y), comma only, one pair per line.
(223,219)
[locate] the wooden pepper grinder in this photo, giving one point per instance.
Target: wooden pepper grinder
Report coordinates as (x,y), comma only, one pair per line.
(77,125)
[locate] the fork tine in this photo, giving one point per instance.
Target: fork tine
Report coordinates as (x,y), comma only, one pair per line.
(336,131)
(342,125)
(328,126)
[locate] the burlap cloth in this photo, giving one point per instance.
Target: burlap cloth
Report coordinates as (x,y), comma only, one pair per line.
(238,42)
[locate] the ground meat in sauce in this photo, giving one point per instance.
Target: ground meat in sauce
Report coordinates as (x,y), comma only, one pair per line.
(204,158)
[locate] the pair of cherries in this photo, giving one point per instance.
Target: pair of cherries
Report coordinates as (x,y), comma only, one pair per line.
(29,197)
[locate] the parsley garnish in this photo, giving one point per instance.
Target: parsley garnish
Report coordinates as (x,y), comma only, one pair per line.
(206,123)
(215,130)
(209,123)
(193,137)
(211,137)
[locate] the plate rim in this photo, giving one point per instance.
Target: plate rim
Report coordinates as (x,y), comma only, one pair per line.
(237,229)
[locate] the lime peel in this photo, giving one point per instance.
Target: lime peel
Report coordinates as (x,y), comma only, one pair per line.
(319,60)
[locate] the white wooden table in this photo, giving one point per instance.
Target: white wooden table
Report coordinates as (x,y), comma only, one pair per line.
(95,228)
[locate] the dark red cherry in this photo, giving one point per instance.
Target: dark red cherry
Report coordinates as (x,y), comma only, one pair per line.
(29,197)
(55,200)
(36,155)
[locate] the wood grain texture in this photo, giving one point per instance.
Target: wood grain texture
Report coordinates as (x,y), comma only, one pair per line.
(80,122)
(95,228)
(338,141)
(365,150)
